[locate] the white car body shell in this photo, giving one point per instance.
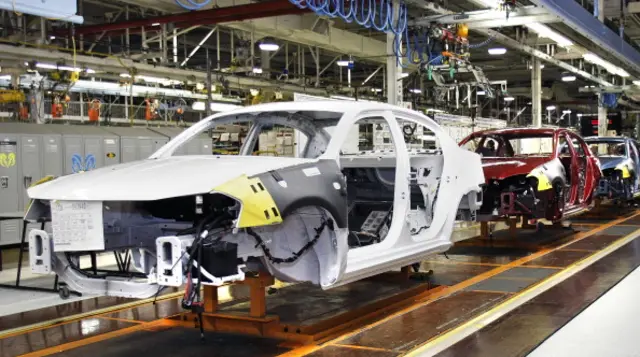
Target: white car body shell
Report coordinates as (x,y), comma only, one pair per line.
(164,175)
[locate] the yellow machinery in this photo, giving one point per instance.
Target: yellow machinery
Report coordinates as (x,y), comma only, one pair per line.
(12,96)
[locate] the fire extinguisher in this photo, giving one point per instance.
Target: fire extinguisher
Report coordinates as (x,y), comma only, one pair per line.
(24,112)
(148,112)
(94,110)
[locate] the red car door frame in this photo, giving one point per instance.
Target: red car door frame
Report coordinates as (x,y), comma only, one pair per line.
(573,167)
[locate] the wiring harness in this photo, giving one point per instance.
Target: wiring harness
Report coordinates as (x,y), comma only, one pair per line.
(296,255)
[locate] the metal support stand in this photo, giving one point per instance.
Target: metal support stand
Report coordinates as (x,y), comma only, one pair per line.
(255,320)
(58,288)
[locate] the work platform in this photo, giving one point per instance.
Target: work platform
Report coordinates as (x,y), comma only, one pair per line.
(497,296)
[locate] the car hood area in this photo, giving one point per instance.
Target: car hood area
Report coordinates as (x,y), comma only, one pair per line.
(155,179)
(610,162)
(498,168)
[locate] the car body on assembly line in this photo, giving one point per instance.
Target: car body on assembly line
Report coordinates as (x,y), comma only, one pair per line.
(534,173)
(619,163)
(328,217)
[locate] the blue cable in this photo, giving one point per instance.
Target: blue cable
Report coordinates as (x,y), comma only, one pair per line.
(194,5)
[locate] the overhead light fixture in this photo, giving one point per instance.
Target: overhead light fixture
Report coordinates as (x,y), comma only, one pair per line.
(509,99)
(637,82)
(608,66)
(150,79)
(481,92)
(497,51)
(551,107)
(376,90)
(155,24)
(52,37)
(344,63)
(567,111)
(61,68)
(257,70)
(215,107)
(568,78)
(6,77)
(404,75)
(269,45)
(415,91)
(546,32)
(541,66)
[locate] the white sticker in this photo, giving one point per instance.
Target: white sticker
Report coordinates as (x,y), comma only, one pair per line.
(77,226)
(312,171)
(109,141)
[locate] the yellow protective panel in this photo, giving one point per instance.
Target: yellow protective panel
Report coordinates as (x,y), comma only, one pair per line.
(625,171)
(258,207)
(543,182)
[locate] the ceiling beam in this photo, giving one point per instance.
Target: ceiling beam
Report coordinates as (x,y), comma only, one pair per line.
(119,65)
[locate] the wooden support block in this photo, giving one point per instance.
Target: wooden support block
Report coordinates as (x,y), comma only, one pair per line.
(405,272)
(210,298)
(484,230)
(257,294)
(513,227)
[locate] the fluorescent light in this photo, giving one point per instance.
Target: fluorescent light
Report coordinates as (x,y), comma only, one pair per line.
(155,24)
(509,99)
(52,37)
(541,66)
(481,92)
(215,107)
(376,90)
(566,111)
(149,79)
(5,77)
(608,66)
(257,70)
(343,63)
(546,32)
(415,91)
(497,51)
(568,78)
(404,75)
(269,47)
(61,68)
(46,66)
(636,83)
(551,107)
(433,110)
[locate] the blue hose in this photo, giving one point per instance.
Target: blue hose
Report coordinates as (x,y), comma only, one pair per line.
(193,5)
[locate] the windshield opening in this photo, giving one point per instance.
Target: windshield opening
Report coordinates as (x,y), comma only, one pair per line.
(608,149)
(511,146)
